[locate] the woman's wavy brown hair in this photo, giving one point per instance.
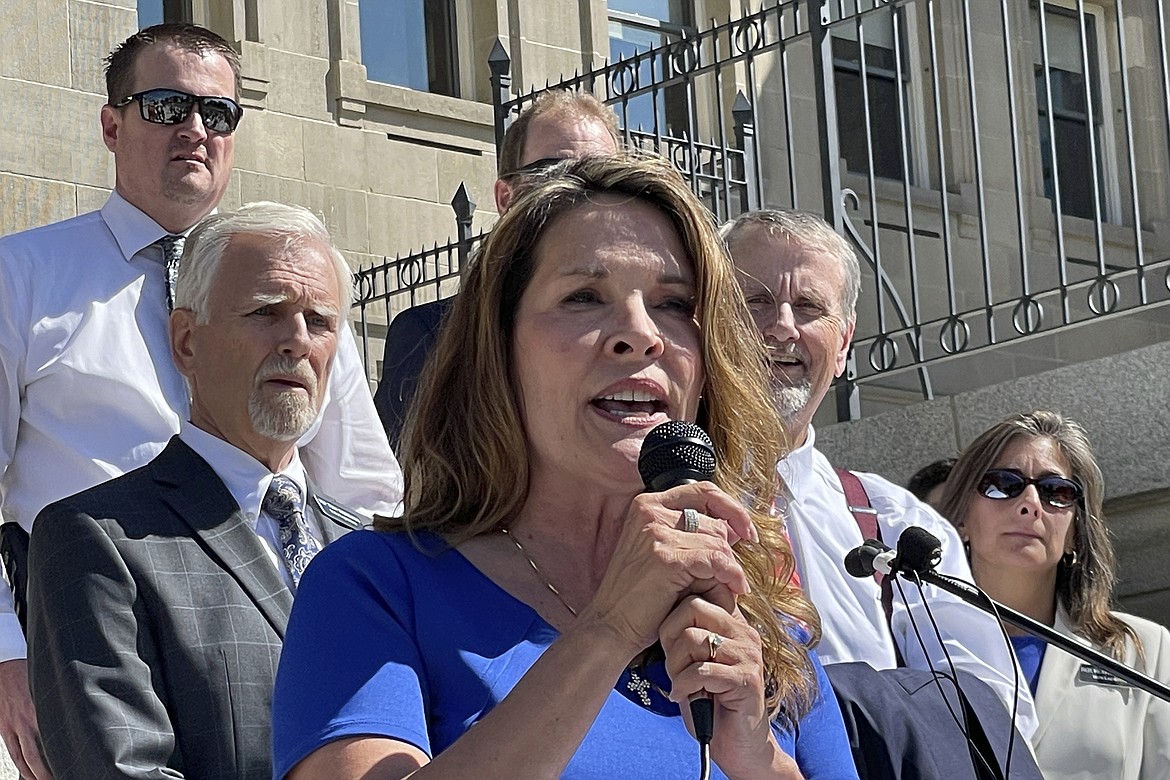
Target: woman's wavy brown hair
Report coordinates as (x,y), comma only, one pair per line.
(464,453)
(1084,588)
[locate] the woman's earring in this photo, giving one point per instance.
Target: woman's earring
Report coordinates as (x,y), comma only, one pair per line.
(1069,558)
(966,542)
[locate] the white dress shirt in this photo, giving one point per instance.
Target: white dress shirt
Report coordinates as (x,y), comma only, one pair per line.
(88,390)
(247,479)
(853,622)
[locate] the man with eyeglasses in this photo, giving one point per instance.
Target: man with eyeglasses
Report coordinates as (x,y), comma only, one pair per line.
(88,390)
(558,125)
(801,281)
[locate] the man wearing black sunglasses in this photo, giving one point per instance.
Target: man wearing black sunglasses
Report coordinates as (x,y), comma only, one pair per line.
(801,281)
(88,390)
(559,125)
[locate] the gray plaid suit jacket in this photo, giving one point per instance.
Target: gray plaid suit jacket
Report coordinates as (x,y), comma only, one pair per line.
(155,626)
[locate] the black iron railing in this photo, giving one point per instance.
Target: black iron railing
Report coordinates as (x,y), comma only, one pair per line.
(382,290)
(1002,167)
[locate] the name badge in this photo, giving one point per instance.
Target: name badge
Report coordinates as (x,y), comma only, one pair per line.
(1095,675)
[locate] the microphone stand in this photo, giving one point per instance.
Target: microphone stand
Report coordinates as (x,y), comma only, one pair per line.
(977,598)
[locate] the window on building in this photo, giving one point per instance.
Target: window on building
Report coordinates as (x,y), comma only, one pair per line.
(1072,88)
(151,12)
(640,25)
(882,83)
(410,43)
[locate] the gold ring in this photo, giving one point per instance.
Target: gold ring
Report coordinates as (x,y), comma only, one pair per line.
(714,642)
(690,521)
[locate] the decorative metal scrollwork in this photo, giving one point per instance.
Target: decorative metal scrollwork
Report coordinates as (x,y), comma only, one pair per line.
(954,335)
(623,78)
(410,274)
(1103,296)
(363,288)
(685,56)
(1027,315)
(748,36)
(680,157)
(883,353)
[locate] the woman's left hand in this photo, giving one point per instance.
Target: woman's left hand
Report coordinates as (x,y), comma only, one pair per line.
(711,650)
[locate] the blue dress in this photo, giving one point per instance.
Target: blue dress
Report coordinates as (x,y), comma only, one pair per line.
(385,639)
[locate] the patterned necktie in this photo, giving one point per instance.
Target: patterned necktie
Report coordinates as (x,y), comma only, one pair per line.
(172,250)
(282,503)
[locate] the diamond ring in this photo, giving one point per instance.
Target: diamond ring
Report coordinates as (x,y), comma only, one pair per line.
(714,642)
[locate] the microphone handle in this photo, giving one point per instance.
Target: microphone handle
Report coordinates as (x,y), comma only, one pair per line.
(702,706)
(703,716)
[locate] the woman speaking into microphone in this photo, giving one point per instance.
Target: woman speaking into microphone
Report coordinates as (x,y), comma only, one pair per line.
(499,628)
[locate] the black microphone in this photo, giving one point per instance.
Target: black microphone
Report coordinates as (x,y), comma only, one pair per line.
(919,551)
(872,556)
(676,453)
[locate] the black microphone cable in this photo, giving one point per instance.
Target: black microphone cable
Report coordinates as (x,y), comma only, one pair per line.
(963,726)
(898,566)
(920,551)
(920,554)
(1007,640)
(977,758)
(914,554)
(923,553)
(1015,667)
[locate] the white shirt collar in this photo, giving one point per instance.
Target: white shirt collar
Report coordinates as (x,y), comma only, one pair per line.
(246,478)
(132,229)
(798,462)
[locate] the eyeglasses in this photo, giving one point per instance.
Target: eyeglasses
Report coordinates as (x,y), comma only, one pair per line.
(170,107)
(1002,484)
(535,167)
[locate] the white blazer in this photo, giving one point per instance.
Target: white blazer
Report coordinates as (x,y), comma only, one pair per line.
(1100,731)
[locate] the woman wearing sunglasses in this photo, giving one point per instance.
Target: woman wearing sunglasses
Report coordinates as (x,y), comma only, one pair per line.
(1026,497)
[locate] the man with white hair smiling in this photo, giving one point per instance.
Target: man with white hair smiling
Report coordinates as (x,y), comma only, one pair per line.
(158,600)
(801,281)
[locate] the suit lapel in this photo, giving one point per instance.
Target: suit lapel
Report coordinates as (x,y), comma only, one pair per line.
(331,518)
(194,492)
(1058,674)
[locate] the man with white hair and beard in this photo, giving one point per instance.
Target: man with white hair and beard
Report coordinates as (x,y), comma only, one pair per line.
(158,600)
(801,281)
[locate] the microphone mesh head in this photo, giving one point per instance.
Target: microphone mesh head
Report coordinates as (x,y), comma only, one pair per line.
(676,453)
(858,565)
(918,550)
(859,561)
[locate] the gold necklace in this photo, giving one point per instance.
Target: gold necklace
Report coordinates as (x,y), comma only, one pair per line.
(639,683)
(540,575)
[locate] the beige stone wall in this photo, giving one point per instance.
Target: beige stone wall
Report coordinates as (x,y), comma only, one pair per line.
(378,162)
(1121,402)
(787,132)
(382,181)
